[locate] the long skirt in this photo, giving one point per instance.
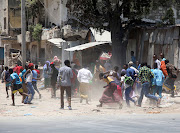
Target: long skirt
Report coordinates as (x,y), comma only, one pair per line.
(84,90)
(110,94)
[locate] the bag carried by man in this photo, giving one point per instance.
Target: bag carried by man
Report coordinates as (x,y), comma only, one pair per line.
(129,81)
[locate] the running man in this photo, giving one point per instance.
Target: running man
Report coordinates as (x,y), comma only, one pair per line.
(7,80)
(16,86)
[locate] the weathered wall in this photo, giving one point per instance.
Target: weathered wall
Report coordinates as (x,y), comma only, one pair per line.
(3,16)
(51,50)
(153,40)
(130,47)
(15,18)
(56,12)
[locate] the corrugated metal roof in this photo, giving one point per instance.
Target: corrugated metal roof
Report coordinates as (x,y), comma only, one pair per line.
(105,36)
(57,41)
(85,46)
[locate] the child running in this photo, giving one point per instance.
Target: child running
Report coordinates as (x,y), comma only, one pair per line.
(16,86)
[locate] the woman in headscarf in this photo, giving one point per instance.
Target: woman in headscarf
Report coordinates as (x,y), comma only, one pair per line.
(110,95)
(46,73)
(56,61)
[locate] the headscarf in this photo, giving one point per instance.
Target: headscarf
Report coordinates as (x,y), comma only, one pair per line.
(45,66)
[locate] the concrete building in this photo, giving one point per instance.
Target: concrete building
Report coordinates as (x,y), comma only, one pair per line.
(10,17)
(55,12)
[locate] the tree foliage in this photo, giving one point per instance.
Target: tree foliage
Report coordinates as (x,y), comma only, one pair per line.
(169,17)
(33,10)
(102,14)
(37,32)
(117,16)
(97,12)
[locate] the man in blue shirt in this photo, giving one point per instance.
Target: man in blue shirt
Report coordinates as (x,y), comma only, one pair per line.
(158,80)
(16,86)
(34,82)
(131,73)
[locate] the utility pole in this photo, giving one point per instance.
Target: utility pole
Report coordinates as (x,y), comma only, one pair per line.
(23,32)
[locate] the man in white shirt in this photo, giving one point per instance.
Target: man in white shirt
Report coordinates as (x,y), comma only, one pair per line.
(84,77)
(156,60)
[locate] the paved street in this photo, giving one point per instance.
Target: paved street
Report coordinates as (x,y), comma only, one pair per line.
(89,124)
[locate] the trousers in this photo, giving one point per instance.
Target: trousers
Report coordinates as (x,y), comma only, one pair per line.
(145,91)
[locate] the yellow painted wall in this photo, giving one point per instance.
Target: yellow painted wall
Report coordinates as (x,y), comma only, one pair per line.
(15,18)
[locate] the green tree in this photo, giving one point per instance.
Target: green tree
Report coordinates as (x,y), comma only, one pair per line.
(33,11)
(117,16)
(169,17)
(37,32)
(36,35)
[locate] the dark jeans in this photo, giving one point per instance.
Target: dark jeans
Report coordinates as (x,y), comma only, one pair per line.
(68,93)
(127,93)
(145,91)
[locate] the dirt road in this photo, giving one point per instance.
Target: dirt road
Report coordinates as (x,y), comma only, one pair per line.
(50,107)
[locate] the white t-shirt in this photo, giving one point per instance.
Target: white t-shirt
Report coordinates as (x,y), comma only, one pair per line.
(84,76)
(29,77)
(124,85)
(158,63)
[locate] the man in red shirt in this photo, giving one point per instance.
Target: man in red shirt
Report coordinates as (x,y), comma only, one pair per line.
(17,69)
(36,68)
